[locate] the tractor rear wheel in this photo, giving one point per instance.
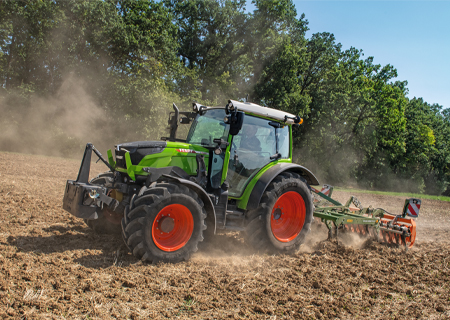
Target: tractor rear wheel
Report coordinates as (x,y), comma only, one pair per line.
(108,221)
(283,218)
(164,223)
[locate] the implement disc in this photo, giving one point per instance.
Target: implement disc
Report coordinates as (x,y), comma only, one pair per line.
(391,237)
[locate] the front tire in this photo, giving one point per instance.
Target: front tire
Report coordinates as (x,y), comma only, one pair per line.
(165,223)
(283,218)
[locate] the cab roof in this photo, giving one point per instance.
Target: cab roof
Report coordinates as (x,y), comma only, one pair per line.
(255,109)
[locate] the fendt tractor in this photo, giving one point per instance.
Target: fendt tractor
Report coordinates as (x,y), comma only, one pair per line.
(233,172)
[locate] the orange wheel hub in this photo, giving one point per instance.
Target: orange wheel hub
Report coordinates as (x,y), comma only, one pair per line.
(172,227)
(288,216)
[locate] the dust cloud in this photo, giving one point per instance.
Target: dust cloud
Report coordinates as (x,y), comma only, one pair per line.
(60,125)
(230,247)
(342,166)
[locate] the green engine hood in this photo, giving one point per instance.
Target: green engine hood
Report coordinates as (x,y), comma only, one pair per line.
(132,157)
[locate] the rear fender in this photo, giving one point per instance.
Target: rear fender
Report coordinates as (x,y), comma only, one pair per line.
(267,177)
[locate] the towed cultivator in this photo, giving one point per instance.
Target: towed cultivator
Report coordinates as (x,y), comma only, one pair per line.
(384,227)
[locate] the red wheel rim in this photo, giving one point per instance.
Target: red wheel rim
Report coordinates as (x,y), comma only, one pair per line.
(288,216)
(172,227)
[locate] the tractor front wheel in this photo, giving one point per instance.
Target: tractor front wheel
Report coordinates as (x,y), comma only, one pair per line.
(284,216)
(165,223)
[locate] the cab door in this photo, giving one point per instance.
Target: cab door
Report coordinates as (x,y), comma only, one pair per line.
(249,154)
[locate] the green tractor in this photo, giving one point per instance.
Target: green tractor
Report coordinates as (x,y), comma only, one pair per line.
(233,172)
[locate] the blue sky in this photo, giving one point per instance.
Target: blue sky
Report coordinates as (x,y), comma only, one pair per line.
(413,36)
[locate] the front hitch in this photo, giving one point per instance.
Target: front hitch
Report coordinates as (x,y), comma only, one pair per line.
(83,199)
(83,173)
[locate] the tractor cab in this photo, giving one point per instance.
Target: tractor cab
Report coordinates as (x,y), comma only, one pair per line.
(241,142)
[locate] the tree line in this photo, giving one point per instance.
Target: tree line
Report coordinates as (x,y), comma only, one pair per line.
(133,58)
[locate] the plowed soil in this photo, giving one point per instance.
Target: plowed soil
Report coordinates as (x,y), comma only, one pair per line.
(52,266)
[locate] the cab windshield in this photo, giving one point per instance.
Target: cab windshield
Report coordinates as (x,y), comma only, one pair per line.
(208,127)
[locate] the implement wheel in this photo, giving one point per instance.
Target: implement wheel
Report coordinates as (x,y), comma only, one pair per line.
(165,223)
(108,221)
(284,216)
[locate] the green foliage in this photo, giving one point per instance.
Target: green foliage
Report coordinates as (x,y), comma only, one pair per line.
(210,47)
(112,68)
(427,150)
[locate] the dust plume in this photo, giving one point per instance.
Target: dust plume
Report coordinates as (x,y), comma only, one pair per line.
(353,239)
(344,165)
(62,124)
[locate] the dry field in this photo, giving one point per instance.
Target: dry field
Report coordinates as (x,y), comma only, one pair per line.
(53,267)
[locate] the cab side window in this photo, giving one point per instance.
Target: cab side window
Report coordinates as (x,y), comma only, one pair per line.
(283,142)
(251,150)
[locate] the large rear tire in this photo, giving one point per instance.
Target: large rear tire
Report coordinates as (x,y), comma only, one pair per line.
(108,221)
(165,223)
(283,218)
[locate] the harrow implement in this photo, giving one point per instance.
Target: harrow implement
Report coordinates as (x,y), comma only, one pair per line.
(382,226)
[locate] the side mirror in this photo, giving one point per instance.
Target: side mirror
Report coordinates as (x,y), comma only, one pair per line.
(236,121)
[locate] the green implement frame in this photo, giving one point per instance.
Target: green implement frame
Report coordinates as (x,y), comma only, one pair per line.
(339,216)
